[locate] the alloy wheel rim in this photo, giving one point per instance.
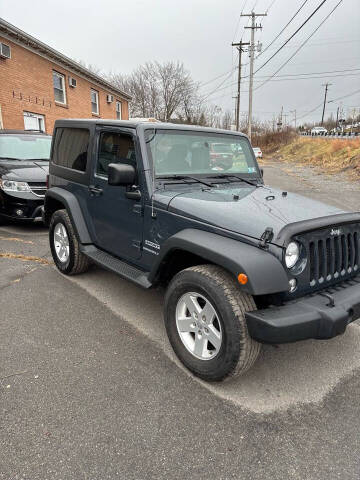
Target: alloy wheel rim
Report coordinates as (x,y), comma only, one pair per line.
(61,243)
(198,326)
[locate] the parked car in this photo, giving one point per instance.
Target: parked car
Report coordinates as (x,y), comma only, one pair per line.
(24,163)
(257,152)
(318,131)
(242,264)
(221,155)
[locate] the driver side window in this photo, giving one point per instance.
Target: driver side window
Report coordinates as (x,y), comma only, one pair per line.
(114,148)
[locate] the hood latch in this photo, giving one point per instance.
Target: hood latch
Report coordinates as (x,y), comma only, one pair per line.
(266,237)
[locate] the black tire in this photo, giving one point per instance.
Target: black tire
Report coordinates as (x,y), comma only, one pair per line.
(77,262)
(238,350)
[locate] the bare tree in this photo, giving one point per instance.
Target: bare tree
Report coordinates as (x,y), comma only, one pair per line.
(227,120)
(92,68)
(164,91)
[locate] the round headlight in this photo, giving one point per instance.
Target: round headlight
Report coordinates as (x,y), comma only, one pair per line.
(292,254)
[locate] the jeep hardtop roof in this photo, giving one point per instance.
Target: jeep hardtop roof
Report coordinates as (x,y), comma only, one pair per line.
(139,123)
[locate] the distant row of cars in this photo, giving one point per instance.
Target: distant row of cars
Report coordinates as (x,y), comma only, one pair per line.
(323,131)
(24,160)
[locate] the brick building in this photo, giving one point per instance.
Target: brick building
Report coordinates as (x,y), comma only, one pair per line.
(39,85)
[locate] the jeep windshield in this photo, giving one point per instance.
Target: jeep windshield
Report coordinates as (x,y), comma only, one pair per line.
(24,147)
(176,153)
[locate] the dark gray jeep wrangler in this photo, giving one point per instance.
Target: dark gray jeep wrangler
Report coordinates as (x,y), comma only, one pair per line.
(242,264)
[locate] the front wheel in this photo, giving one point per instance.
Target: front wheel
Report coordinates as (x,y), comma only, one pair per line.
(65,246)
(205,322)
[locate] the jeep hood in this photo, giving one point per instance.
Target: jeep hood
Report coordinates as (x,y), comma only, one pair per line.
(250,214)
(24,170)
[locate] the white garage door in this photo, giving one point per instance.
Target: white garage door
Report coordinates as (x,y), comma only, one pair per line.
(34,121)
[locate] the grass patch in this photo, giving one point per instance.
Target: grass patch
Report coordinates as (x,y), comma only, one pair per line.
(332,155)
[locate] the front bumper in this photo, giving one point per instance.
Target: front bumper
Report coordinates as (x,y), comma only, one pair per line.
(20,206)
(28,211)
(316,316)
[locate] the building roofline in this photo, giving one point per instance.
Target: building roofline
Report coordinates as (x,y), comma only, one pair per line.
(25,38)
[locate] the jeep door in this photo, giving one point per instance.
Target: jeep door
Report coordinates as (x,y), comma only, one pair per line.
(117,221)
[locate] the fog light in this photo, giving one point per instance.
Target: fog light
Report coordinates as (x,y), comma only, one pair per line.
(19,212)
(293,285)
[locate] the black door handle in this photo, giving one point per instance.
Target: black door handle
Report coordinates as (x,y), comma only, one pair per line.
(95,190)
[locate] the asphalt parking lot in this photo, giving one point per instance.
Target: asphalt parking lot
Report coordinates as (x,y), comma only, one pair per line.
(90,388)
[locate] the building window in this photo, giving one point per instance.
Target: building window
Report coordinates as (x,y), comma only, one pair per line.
(118,110)
(94,102)
(34,121)
(59,87)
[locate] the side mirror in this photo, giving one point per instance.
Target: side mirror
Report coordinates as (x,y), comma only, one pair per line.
(121,174)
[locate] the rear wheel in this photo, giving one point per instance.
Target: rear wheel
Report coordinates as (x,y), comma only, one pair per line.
(64,245)
(205,322)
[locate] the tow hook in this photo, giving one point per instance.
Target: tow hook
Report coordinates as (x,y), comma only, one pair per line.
(329,297)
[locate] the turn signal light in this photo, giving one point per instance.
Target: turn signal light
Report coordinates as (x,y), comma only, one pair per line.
(242,279)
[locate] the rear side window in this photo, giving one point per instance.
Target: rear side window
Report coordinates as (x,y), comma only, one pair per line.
(71,147)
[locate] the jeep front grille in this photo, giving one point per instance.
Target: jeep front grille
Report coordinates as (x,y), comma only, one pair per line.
(333,257)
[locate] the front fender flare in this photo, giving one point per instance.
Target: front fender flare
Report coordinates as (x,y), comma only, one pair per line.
(265,272)
(72,206)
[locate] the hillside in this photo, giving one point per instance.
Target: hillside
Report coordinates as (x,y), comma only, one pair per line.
(332,155)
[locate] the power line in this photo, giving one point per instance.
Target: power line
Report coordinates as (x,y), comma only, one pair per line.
(270,6)
(313,78)
(305,41)
(302,76)
(278,35)
(202,84)
(217,88)
(312,73)
(330,101)
(239,19)
(311,111)
(344,96)
(292,36)
(322,44)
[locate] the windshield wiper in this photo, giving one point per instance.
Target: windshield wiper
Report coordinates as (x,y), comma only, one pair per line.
(9,158)
(184,177)
(226,175)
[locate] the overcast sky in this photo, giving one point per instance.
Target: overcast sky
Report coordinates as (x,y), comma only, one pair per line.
(118,35)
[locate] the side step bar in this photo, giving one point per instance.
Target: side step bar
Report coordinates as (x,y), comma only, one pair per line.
(115,265)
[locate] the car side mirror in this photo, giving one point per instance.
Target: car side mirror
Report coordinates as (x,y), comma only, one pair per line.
(121,174)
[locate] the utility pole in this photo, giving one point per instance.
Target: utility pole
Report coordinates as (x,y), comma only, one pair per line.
(294,112)
(280,122)
(326,85)
(337,117)
(285,115)
(253,27)
(239,47)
